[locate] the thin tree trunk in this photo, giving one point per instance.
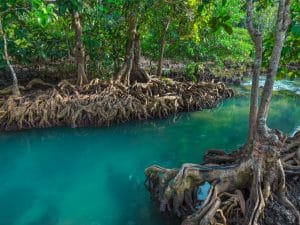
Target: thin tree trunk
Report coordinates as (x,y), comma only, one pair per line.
(162,47)
(15,87)
(131,71)
(257,40)
(80,52)
(124,73)
(282,23)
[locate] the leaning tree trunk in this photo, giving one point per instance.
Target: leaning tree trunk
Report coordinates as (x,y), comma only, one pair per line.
(243,181)
(257,40)
(263,185)
(162,47)
(80,52)
(282,23)
(15,86)
(131,71)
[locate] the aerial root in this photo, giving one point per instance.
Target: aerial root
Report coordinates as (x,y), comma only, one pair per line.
(281,194)
(256,200)
(176,191)
(101,103)
(239,191)
(290,155)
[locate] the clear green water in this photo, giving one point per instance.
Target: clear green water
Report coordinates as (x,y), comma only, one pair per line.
(94,176)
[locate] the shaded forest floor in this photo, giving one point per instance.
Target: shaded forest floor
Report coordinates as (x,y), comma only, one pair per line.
(54,72)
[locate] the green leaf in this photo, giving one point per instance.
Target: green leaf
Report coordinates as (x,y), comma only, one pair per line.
(225,18)
(227,28)
(200,9)
(36,3)
(42,19)
(296,30)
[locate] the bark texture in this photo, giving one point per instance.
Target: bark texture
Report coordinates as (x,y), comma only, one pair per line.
(15,87)
(131,71)
(282,23)
(80,51)
(257,40)
(242,182)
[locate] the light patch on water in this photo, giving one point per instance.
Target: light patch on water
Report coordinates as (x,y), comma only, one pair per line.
(279,85)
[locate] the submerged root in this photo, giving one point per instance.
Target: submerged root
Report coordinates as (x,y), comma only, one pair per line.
(102,103)
(239,189)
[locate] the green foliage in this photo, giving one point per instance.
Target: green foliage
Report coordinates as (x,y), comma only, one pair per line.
(39,33)
(191,70)
(291,50)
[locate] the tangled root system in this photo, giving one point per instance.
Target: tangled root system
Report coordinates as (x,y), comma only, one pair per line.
(101,103)
(241,182)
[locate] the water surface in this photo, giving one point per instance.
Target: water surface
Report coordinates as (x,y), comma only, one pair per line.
(94,176)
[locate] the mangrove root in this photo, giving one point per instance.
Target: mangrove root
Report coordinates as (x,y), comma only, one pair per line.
(239,188)
(101,103)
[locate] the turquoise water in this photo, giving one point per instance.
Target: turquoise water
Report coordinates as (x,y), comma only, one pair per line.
(94,176)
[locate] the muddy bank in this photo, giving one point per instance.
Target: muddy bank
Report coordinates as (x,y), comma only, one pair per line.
(101,103)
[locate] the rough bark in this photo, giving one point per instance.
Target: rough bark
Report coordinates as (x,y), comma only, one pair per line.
(228,202)
(259,169)
(282,23)
(15,86)
(257,40)
(131,72)
(162,47)
(80,51)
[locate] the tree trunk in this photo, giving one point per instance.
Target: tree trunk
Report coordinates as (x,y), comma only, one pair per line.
(131,71)
(15,86)
(162,47)
(282,23)
(138,74)
(255,172)
(257,40)
(80,52)
(124,73)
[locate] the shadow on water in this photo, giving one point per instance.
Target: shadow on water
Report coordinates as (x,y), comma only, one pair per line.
(129,193)
(49,217)
(14,203)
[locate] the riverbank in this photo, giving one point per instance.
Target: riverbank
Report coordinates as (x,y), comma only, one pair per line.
(101,103)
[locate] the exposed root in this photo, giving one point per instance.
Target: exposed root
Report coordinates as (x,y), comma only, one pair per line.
(290,155)
(29,86)
(239,189)
(102,103)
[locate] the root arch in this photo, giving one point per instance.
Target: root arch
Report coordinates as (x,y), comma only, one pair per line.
(239,189)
